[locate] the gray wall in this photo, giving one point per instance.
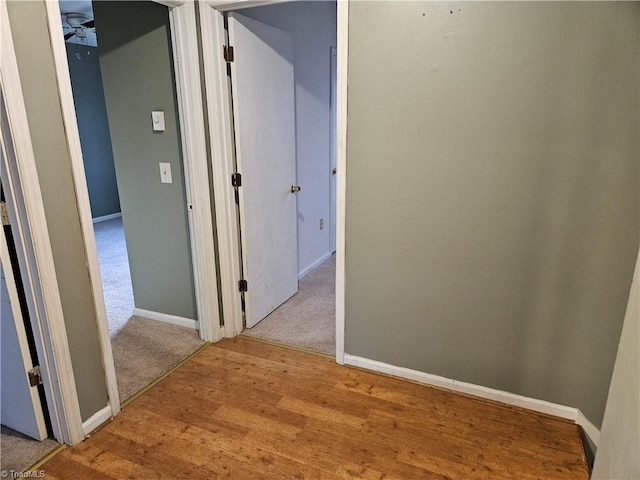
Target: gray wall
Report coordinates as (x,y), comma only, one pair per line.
(137,72)
(313,28)
(492,191)
(91,113)
(37,75)
(619,447)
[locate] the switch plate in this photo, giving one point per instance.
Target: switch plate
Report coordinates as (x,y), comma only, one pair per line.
(165,172)
(157,120)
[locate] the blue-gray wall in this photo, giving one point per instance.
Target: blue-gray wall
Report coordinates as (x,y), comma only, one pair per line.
(91,113)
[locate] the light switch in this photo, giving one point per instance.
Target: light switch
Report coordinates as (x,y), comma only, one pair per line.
(165,172)
(157,119)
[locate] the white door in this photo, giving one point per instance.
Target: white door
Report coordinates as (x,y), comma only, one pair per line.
(20,404)
(332,149)
(264,123)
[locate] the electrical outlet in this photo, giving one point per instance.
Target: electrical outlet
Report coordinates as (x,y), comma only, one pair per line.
(321,223)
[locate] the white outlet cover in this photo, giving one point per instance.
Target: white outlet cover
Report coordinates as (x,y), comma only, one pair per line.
(165,172)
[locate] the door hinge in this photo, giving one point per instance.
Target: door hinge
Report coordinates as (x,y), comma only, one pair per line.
(236,179)
(243,286)
(4,213)
(228,53)
(35,376)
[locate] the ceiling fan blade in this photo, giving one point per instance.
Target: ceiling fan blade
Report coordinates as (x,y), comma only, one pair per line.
(89,24)
(69,35)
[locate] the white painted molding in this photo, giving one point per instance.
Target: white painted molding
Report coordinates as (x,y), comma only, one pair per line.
(166,318)
(589,428)
(501,396)
(67,106)
(341,180)
(463,387)
(226,5)
(97,419)
(314,265)
(220,134)
(106,218)
(24,199)
(196,169)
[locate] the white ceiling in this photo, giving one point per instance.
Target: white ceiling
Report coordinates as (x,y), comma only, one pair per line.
(79,6)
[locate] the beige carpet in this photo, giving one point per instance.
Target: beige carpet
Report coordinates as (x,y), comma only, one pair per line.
(306,320)
(145,349)
(19,452)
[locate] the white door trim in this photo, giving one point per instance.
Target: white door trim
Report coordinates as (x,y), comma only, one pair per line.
(26,210)
(182,16)
(341,180)
(220,132)
(221,143)
(82,196)
(185,52)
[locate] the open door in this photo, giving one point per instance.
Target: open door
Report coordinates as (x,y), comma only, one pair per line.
(264,123)
(333,148)
(20,404)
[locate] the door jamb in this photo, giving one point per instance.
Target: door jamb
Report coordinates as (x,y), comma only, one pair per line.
(220,131)
(26,210)
(187,77)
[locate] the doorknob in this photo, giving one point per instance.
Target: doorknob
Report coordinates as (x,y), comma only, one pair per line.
(295,188)
(334,170)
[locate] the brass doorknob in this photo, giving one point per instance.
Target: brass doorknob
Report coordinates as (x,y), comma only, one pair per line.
(295,188)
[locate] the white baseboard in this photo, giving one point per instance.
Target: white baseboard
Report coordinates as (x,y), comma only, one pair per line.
(534,404)
(314,265)
(104,218)
(166,318)
(589,428)
(96,420)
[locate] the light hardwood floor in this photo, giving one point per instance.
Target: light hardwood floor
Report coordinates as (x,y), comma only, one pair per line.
(245,409)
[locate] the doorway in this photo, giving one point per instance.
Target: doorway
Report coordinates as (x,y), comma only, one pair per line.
(283,117)
(121,73)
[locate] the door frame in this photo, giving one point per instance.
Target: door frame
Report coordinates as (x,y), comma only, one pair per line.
(26,212)
(220,133)
(199,207)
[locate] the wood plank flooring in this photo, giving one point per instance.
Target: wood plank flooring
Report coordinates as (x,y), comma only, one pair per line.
(244,409)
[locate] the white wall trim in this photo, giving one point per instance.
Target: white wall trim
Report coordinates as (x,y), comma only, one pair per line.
(589,428)
(223,164)
(227,5)
(97,419)
(314,265)
(106,218)
(82,197)
(26,208)
(196,169)
(166,318)
(508,398)
(463,387)
(341,180)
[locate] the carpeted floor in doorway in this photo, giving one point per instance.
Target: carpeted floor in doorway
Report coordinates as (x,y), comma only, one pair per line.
(114,269)
(145,349)
(308,319)
(18,452)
